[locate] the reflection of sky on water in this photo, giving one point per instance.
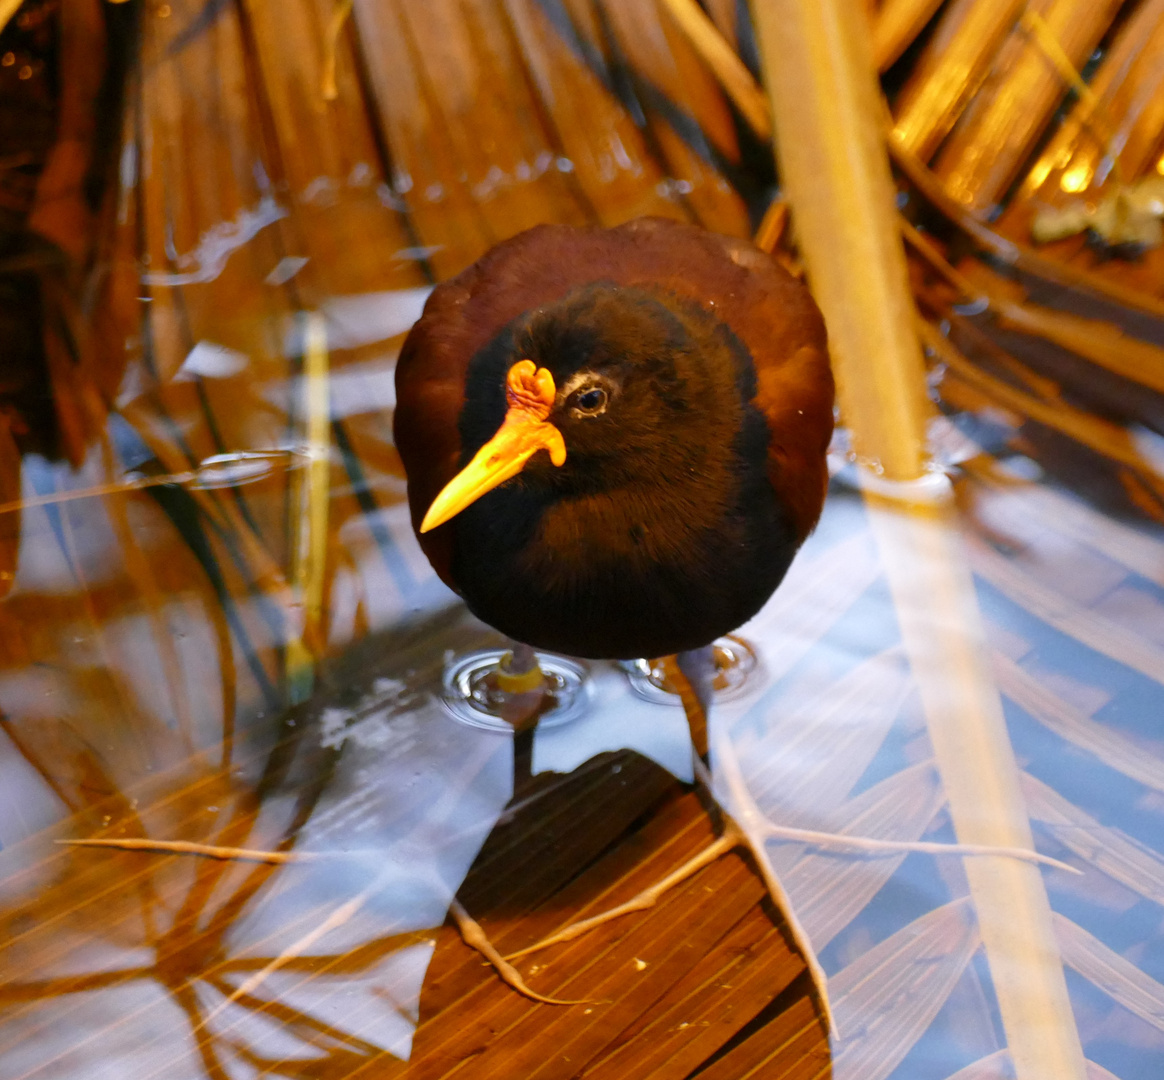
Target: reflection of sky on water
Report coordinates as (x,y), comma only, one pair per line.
(831,737)
(829,733)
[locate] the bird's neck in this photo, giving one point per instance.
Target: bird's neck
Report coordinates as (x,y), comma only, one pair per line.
(649,521)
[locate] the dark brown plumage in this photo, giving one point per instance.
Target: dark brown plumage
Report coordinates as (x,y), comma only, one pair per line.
(687,375)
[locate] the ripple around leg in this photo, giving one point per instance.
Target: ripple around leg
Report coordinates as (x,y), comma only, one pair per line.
(471,694)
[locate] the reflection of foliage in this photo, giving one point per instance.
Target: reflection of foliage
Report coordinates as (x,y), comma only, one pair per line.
(183,922)
(1063,648)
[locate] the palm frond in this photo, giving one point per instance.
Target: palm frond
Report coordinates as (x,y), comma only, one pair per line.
(1102,965)
(1108,849)
(879,1020)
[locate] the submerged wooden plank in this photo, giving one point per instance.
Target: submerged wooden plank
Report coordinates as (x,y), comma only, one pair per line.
(641,976)
(470,1007)
(791,1047)
(704,1009)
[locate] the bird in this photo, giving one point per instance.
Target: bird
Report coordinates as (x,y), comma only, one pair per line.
(615,439)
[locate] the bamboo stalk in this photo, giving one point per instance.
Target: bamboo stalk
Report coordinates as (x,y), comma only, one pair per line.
(309,551)
(8,8)
(936,607)
(825,102)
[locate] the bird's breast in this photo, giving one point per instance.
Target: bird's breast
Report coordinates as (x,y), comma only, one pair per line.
(622,574)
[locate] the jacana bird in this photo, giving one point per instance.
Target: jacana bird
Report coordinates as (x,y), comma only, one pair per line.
(615,439)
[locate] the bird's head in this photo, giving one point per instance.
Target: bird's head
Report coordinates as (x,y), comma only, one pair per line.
(600,380)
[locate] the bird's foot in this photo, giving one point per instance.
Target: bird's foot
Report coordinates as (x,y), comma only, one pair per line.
(731,838)
(476,938)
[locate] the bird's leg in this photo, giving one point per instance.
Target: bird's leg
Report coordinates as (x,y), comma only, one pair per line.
(692,675)
(523,686)
(525,697)
(524,693)
(519,663)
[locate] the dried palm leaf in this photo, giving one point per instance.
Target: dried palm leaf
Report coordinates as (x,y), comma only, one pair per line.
(685,112)
(896,24)
(10,511)
(707,39)
(1137,992)
(932,951)
(1115,133)
(1075,520)
(1119,302)
(1069,723)
(1092,629)
(950,71)
(1018,98)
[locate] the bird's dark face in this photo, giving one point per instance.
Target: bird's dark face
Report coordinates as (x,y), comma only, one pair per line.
(616,385)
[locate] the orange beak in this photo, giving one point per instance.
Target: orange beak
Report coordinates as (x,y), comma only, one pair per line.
(524,431)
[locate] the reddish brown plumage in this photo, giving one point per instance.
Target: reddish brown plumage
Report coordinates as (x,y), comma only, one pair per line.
(770,312)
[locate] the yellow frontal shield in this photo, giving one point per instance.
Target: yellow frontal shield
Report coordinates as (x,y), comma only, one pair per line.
(524,431)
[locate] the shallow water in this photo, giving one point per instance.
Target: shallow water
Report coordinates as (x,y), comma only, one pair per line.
(216,627)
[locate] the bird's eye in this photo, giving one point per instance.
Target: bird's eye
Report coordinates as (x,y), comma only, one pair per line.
(590,401)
